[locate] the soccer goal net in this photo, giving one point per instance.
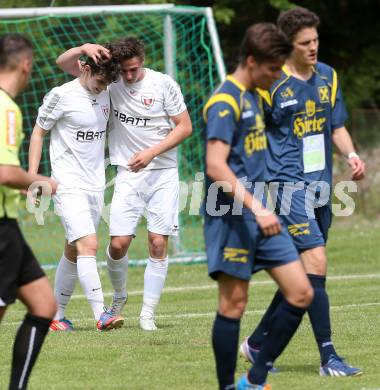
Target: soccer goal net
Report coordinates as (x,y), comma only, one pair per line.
(180,41)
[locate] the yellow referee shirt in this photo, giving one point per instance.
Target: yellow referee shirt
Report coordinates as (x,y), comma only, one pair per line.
(11,136)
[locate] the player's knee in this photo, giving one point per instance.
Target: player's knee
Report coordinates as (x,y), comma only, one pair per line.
(87,246)
(301,297)
(316,263)
(157,246)
(233,308)
(118,247)
(71,253)
(46,309)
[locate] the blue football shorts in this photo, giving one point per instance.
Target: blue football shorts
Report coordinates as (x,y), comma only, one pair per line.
(307,224)
(236,246)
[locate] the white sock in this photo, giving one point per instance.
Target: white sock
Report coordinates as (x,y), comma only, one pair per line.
(154,280)
(89,279)
(118,271)
(66,276)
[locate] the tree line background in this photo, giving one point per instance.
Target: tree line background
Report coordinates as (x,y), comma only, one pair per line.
(349,34)
(349,41)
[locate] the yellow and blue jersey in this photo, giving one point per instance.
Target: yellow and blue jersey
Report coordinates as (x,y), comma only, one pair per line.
(11,136)
(300,119)
(235,116)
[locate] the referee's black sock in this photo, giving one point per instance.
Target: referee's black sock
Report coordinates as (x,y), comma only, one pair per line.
(257,337)
(225,339)
(319,314)
(29,339)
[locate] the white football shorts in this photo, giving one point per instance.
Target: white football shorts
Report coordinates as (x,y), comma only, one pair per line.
(153,193)
(80,211)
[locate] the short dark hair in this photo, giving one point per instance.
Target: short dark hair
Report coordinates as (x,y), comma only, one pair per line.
(265,43)
(109,68)
(12,47)
(296,19)
(127,48)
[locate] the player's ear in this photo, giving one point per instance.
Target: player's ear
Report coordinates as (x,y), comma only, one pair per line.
(250,61)
(27,64)
(86,68)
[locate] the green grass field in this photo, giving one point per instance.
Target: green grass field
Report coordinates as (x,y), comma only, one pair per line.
(179,355)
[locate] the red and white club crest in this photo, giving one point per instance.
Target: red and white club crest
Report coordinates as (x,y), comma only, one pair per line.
(147,100)
(106,111)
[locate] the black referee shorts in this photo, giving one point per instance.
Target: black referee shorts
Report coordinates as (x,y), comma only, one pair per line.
(18,266)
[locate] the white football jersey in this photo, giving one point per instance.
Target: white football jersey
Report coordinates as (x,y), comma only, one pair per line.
(140,118)
(78,121)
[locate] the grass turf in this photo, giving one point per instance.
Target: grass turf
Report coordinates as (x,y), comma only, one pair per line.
(179,355)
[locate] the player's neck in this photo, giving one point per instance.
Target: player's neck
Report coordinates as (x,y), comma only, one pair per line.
(242,76)
(298,70)
(9,84)
(82,82)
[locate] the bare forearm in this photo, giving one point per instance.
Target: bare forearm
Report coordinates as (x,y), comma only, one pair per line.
(174,138)
(221,172)
(68,61)
(35,151)
(16,177)
(343,141)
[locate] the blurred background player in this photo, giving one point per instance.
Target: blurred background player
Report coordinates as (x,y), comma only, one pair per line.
(20,274)
(76,113)
(142,144)
(305,116)
(242,241)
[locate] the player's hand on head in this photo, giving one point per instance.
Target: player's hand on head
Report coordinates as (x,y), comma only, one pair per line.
(268,222)
(357,168)
(95,51)
(140,160)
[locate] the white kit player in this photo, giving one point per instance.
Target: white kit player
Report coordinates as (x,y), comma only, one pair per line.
(142,144)
(76,115)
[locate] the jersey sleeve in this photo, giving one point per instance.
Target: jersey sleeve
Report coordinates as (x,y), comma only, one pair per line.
(174,103)
(339,112)
(51,110)
(9,144)
(220,122)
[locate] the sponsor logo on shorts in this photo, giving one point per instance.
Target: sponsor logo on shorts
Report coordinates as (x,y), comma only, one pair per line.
(235,255)
(299,229)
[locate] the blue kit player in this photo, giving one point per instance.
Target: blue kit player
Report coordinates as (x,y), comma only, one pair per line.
(241,235)
(305,116)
